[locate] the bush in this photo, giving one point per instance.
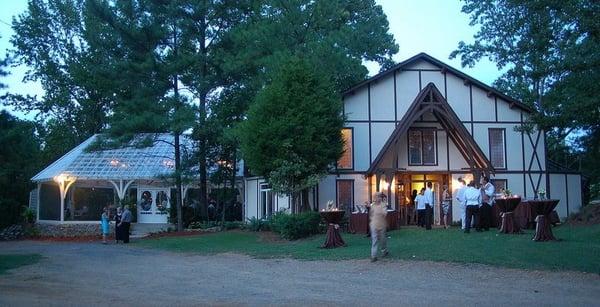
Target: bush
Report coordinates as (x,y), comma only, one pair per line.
(256,224)
(188,215)
(10,213)
(28,215)
(296,226)
(232,225)
(202,225)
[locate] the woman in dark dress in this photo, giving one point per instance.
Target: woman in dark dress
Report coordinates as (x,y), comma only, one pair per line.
(118,230)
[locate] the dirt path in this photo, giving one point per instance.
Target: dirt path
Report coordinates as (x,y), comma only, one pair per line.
(94,274)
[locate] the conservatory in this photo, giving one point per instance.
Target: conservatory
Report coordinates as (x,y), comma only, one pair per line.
(76,187)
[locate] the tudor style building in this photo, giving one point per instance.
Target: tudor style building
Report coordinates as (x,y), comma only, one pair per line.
(420,121)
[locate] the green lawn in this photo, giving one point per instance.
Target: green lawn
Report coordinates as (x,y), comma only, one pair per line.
(8,262)
(578,250)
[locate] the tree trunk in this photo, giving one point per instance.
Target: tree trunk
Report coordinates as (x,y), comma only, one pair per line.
(178,185)
(176,134)
(203,93)
(305,203)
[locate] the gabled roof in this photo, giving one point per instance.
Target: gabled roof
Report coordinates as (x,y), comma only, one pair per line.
(431,100)
(129,162)
(444,67)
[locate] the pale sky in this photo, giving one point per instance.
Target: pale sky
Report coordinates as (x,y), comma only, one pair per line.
(431,26)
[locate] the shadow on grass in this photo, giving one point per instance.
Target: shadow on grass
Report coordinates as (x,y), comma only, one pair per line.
(578,250)
(8,262)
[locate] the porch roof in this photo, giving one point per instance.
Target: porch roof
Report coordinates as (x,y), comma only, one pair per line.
(128,162)
(431,100)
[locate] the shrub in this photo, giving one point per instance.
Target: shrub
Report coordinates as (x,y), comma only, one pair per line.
(232,225)
(10,212)
(28,215)
(188,215)
(256,224)
(296,226)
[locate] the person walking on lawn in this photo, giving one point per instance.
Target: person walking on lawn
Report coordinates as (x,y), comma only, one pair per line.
(377,225)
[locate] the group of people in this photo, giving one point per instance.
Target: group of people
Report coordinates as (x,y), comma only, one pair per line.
(476,202)
(122,220)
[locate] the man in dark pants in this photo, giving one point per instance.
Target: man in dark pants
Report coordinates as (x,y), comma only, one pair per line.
(472,200)
(428,206)
(487,197)
(126,219)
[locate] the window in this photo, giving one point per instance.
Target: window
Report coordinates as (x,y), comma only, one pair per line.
(497,148)
(346,161)
(422,147)
(266,201)
(345,194)
(500,185)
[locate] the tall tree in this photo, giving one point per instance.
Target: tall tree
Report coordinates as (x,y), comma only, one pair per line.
(296,148)
(337,36)
(150,35)
(52,40)
(19,159)
(549,50)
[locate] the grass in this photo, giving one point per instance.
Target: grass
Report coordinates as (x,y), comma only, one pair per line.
(8,262)
(578,250)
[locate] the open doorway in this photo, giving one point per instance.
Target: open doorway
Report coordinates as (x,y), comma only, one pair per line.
(405,194)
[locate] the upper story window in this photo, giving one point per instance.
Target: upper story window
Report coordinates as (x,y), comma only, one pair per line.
(346,161)
(422,147)
(497,147)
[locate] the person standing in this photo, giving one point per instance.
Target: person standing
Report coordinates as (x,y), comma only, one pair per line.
(460,198)
(378,225)
(420,204)
(105,225)
(446,199)
(428,206)
(125,224)
(472,201)
(118,232)
(487,201)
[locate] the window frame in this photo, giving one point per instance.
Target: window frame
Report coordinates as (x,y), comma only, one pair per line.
(268,192)
(435,145)
(503,130)
(496,187)
(351,152)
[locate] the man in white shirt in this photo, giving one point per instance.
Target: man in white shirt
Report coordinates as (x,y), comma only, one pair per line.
(472,201)
(460,198)
(485,209)
(428,206)
(420,202)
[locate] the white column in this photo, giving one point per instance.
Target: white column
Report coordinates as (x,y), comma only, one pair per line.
(63,186)
(121,188)
(39,189)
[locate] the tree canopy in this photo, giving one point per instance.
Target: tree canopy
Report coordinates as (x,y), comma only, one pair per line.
(294,149)
(549,51)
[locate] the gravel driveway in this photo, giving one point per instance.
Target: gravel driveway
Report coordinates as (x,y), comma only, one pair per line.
(94,274)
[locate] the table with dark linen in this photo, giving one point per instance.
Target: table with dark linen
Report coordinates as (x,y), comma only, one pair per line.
(359,222)
(543,210)
(523,216)
(333,238)
(507,207)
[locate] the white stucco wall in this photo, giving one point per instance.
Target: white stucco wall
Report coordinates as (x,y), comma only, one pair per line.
(382,99)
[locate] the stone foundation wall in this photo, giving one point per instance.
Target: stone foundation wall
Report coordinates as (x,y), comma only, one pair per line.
(71,230)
